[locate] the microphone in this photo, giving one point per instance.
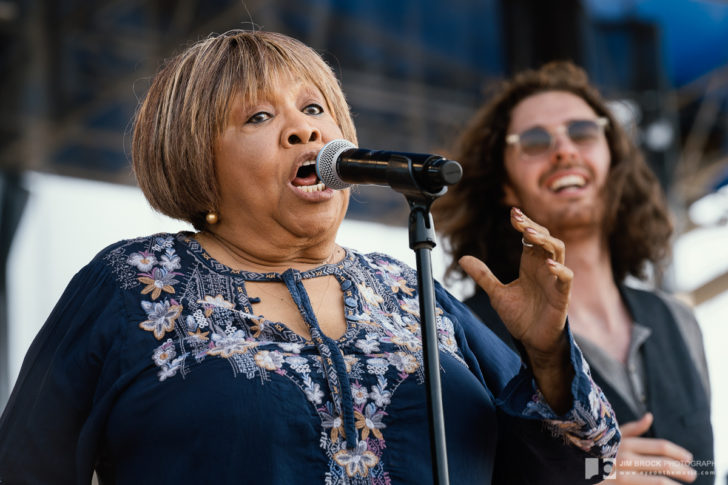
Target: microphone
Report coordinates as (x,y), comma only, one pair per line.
(340,164)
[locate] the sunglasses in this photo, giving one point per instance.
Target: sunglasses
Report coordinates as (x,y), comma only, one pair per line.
(538,140)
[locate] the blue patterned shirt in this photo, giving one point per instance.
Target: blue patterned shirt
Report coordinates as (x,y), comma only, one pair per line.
(153,368)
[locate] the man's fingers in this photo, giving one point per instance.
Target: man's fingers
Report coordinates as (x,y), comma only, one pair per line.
(480,273)
(647,460)
(657,447)
(537,235)
(637,428)
(564,275)
(643,480)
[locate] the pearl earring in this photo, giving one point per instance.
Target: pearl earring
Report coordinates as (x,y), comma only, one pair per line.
(211,217)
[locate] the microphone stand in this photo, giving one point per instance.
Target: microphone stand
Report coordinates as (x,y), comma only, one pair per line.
(422,240)
(421,192)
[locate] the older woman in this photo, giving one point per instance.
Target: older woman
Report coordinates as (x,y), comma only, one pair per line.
(257,350)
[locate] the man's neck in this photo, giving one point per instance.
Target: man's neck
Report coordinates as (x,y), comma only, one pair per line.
(596,309)
(589,259)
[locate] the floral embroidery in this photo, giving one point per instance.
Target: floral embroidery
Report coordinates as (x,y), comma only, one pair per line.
(165,357)
(143,261)
(408,340)
(400,284)
(162,316)
(331,421)
(388,267)
(350,361)
(313,391)
(369,295)
(369,344)
(159,280)
(257,326)
(359,393)
(403,362)
(228,345)
(380,395)
(210,303)
(198,336)
(164,353)
(294,348)
(358,461)
(590,427)
(370,421)
(410,305)
(163,243)
(269,360)
(170,262)
(170,369)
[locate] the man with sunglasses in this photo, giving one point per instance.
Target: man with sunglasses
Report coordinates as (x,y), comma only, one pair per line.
(547,144)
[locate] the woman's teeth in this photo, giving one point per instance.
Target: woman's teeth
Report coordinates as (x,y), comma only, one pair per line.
(311,188)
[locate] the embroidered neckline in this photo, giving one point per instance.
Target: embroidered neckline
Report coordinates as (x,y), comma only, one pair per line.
(323,270)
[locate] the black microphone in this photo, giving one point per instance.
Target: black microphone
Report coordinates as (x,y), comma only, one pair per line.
(340,164)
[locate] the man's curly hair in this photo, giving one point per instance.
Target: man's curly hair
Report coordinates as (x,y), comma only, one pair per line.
(473,219)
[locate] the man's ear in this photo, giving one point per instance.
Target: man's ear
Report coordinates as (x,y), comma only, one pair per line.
(510,199)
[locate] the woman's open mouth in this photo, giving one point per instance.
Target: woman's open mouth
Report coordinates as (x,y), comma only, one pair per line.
(306,179)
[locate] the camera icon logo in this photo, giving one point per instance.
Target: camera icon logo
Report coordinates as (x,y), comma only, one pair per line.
(604,468)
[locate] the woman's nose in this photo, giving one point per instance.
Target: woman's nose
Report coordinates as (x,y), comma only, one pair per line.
(300,130)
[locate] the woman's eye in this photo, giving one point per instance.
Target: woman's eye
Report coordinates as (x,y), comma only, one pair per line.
(313,109)
(259,117)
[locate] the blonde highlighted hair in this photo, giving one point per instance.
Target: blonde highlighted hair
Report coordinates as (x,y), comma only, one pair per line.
(186,109)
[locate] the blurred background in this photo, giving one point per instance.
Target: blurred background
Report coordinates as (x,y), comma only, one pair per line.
(73,72)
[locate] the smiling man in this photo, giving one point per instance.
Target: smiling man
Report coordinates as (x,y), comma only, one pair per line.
(547,144)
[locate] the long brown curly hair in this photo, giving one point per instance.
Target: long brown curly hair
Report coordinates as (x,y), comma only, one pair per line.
(473,219)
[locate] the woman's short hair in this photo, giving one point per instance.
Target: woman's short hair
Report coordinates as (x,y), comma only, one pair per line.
(474,220)
(187,105)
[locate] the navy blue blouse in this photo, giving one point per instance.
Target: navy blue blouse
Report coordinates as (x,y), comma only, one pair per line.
(152,368)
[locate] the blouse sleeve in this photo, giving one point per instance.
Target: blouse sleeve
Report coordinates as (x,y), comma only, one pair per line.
(536,443)
(46,430)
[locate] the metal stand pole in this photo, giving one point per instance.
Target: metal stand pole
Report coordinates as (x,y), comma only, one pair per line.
(422,240)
